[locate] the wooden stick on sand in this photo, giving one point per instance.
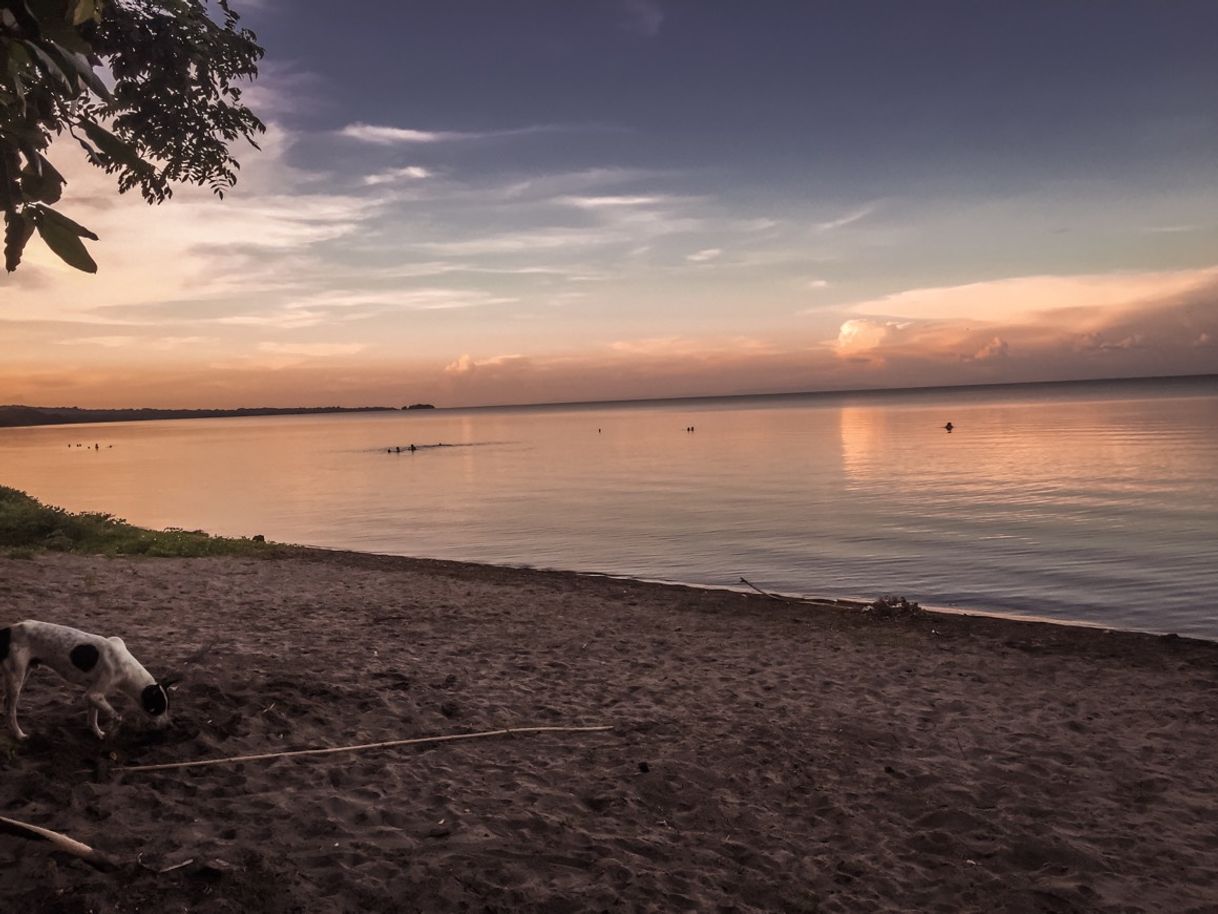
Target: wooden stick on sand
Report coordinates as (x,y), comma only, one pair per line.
(395,742)
(90,855)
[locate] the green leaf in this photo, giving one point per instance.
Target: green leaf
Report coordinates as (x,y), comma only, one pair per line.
(40,181)
(85,10)
(53,23)
(46,214)
(114,148)
(80,63)
(17,231)
(66,243)
(54,68)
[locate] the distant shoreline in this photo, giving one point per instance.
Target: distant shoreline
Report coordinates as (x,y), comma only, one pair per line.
(19,416)
(16,416)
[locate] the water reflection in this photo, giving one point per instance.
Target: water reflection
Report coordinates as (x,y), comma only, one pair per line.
(1082,508)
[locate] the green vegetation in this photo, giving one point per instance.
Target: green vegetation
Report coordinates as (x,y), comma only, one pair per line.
(27,525)
(149,88)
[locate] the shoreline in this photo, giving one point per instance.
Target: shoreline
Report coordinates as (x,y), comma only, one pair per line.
(854,603)
(764,755)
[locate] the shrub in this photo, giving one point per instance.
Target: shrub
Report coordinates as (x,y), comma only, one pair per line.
(26,524)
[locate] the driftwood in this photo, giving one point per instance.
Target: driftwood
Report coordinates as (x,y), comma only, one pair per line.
(233,759)
(807,601)
(89,855)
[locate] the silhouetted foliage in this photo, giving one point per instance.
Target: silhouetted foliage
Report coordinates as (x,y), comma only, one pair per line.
(28,526)
(148,88)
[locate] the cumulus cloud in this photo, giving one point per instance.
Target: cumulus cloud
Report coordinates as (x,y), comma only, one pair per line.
(997,348)
(467,364)
(859,335)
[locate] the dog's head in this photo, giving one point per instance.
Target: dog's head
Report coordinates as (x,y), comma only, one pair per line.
(154,699)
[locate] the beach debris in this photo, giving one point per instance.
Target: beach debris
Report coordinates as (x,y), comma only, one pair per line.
(887,607)
(60,842)
(806,601)
(418,741)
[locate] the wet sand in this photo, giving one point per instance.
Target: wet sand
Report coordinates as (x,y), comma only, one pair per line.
(765,756)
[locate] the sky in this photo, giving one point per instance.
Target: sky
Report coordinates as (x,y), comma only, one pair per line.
(513,201)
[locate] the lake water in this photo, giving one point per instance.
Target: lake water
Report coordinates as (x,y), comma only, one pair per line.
(1082,502)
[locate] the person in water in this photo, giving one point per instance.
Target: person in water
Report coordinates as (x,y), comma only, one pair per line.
(949,427)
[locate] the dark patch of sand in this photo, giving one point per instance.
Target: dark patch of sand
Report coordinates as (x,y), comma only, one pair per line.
(766,756)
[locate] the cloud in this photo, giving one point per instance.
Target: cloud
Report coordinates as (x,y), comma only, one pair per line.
(382,135)
(347,305)
(859,335)
(997,348)
(848,219)
(817,284)
(393,175)
(393,136)
(1096,342)
(158,343)
(704,255)
(1024,297)
(466,364)
(599,202)
(667,348)
(320,350)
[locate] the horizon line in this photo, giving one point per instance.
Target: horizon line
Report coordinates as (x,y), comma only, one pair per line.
(690,397)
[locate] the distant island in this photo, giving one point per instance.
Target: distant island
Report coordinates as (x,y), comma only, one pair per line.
(14,415)
(419,406)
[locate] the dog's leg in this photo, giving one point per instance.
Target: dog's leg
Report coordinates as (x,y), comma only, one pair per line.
(14,679)
(97,703)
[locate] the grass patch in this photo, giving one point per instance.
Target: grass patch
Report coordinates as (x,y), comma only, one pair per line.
(27,525)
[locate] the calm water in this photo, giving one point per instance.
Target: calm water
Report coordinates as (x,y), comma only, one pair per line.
(1080,502)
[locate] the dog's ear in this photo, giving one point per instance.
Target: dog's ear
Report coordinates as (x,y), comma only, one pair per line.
(154,699)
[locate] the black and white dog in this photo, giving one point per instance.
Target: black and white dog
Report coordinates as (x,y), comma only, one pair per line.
(100,665)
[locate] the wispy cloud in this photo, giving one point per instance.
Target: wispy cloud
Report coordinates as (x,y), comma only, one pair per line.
(1022,297)
(157,343)
(392,136)
(705,255)
(319,350)
(848,219)
(384,135)
(394,175)
(614,201)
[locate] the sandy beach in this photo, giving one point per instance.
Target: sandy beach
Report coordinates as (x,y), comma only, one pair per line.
(764,756)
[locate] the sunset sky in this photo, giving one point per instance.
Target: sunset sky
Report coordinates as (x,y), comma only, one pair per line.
(477,202)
